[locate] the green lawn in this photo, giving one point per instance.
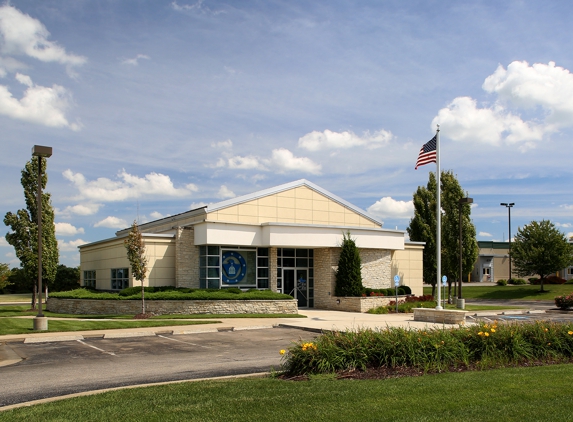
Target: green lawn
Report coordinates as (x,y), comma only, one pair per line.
(25,325)
(523,292)
(516,394)
(19,297)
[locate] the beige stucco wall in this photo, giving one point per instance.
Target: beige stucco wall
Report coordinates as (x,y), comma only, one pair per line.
(105,256)
(300,205)
(408,264)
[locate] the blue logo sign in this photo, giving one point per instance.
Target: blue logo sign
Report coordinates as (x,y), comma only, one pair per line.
(444,279)
(234,267)
(396,280)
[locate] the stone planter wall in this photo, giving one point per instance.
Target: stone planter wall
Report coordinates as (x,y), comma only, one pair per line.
(357,304)
(160,307)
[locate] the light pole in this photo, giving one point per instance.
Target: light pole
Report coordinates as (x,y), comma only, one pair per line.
(40,322)
(509,205)
(461,202)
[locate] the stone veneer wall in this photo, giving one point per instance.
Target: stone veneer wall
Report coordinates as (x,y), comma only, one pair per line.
(376,268)
(273,269)
(160,307)
(186,259)
(376,274)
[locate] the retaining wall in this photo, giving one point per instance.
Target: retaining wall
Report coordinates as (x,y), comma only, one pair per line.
(160,307)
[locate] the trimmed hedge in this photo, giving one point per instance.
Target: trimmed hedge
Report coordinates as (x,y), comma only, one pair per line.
(402,290)
(171,293)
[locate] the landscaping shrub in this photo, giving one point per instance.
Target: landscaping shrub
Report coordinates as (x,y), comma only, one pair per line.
(348,274)
(564,302)
(406,305)
(174,294)
(501,282)
(552,279)
(432,350)
(517,281)
(569,281)
(532,280)
(130,291)
(402,290)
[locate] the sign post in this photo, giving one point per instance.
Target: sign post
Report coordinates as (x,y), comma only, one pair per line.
(396,284)
(444,281)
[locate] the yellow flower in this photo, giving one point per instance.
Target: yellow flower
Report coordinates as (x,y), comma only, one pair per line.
(546,330)
(486,334)
(480,333)
(282,352)
(493,330)
(549,344)
(570,333)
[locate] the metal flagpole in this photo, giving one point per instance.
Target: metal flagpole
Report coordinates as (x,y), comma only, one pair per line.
(438,222)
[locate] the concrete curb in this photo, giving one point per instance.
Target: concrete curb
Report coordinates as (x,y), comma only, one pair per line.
(126,387)
(52,339)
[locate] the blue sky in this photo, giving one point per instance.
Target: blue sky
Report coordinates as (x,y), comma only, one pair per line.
(156,107)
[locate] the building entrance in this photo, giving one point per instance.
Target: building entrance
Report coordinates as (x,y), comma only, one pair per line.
(295,281)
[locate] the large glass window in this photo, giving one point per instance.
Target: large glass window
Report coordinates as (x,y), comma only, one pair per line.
(296,259)
(262,268)
(90,279)
(238,268)
(119,278)
(209,259)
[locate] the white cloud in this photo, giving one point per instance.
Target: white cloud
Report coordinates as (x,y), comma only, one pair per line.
(565,225)
(80,209)
(39,104)
(24,35)
(566,206)
(539,85)
(389,207)
(157,215)
(4,242)
(315,141)
(66,229)
(135,60)
(228,144)
(485,234)
(463,121)
(128,186)
(70,246)
(225,193)
(197,7)
(244,163)
(112,223)
(281,161)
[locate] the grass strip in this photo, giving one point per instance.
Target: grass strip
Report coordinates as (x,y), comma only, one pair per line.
(25,325)
(16,297)
(521,292)
(515,394)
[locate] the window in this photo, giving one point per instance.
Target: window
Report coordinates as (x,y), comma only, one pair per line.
(209,267)
(262,268)
(90,279)
(570,270)
(119,278)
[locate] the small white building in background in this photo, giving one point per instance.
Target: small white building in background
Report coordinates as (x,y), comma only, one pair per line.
(284,238)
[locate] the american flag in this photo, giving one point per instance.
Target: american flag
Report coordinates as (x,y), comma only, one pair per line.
(427,153)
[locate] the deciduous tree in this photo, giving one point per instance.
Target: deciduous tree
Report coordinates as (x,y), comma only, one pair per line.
(137,259)
(540,248)
(24,227)
(422,228)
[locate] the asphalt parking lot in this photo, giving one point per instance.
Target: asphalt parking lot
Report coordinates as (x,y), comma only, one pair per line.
(58,368)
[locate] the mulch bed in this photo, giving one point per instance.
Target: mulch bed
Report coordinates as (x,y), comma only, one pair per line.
(400,372)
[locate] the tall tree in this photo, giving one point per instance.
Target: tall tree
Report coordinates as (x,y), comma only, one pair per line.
(24,226)
(137,259)
(540,248)
(349,275)
(4,276)
(422,228)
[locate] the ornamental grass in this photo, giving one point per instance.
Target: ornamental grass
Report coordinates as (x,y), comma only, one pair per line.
(433,350)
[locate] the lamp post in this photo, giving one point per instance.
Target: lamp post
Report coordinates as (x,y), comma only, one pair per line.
(40,322)
(508,206)
(460,301)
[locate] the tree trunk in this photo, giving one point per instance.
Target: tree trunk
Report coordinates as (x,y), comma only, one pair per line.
(34,297)
(142,299)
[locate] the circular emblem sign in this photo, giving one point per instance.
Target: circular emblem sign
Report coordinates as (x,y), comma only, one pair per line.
(234,267)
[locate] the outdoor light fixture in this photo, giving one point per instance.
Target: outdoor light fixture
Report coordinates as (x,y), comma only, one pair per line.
(509,205)
(461,202)
(40,322)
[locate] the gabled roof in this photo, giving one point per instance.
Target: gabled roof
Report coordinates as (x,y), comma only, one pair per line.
(287,186)
(256,195)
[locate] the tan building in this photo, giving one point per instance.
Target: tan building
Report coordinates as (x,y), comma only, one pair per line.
(492,263)
(284,238)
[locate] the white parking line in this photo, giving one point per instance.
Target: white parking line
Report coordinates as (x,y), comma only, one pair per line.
(186,342)
(97,348)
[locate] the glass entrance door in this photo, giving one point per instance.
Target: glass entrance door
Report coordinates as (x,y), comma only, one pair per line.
(295,281)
